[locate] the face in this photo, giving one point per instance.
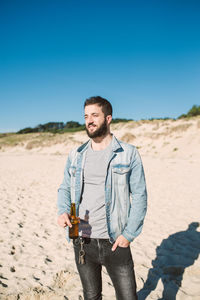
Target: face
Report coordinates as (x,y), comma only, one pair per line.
(95,122)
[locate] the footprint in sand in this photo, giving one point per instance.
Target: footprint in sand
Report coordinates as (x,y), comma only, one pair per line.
(36,278)
(20,225)
(12,269)
(12,251)
(3,284)
(47,260)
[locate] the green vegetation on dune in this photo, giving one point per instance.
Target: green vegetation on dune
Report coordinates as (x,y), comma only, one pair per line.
(54,127)
(73,126)
(61,127)
(193,112)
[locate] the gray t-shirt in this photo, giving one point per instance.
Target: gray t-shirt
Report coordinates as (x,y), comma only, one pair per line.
(92,207)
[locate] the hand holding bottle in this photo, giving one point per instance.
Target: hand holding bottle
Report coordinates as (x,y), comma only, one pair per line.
(64,220)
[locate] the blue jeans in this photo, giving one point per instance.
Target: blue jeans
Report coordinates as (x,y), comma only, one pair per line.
(118,263)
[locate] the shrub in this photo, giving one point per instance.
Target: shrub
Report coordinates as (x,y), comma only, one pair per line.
(118,120)
(72,124)
(194,111)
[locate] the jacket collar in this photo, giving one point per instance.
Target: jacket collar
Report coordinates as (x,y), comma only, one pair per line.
(116,146)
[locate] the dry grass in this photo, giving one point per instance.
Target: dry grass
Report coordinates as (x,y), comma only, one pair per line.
(157,126)
(115,126)
(165,144)
(12,140)
(180,128)
(33,140)
(129,124)
(154,136)
(133,124)
(34,144)
(168,131)
(128,137)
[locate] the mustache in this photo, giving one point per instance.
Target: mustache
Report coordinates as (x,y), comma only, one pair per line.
(91,124)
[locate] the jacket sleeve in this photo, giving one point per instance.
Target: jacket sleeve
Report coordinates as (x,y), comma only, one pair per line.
(64,191)
(138,193)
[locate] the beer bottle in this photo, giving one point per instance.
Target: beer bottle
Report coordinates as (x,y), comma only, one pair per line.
(73,231)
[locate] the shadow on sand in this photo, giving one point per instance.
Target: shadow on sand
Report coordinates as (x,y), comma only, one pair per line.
(174,255)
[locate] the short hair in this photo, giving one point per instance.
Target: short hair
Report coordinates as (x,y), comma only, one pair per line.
(102,102)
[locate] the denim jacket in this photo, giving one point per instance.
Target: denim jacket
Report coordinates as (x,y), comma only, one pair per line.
(125,189)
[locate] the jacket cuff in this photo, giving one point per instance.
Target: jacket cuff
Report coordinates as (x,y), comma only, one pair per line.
(127,236)
(60,212)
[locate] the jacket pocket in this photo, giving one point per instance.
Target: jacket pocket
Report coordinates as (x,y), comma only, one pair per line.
(121,174)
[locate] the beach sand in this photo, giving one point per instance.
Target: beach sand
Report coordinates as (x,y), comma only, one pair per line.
(36,261)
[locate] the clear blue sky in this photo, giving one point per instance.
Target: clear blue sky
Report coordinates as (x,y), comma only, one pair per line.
(143,56)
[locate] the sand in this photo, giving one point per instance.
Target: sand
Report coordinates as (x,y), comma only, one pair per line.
(36,261)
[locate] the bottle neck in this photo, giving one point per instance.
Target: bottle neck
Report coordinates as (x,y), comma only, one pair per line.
(73,210)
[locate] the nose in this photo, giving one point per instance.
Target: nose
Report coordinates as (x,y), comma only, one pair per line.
(90,119)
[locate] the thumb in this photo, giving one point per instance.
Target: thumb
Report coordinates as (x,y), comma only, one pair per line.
(114,246)
(67,220)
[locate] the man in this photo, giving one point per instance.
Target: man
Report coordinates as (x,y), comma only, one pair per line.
(105,179)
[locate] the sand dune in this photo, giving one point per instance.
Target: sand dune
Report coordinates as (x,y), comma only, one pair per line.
(37,263)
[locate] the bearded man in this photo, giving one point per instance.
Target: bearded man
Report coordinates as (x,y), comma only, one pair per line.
(105,179)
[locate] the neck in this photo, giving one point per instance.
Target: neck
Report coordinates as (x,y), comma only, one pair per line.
(100,143)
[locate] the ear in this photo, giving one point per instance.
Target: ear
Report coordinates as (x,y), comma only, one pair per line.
(109,119)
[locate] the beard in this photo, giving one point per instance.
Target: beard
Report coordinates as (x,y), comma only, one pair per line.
(101,131)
